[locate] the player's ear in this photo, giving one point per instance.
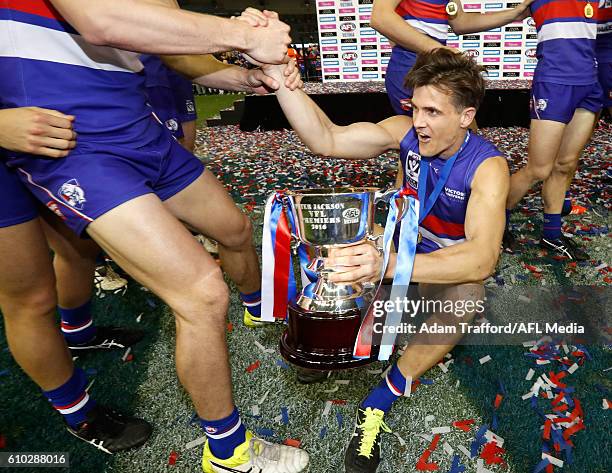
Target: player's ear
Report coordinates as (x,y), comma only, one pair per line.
(467,116)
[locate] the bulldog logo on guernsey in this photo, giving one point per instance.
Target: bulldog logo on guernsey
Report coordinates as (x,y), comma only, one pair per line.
(72,193)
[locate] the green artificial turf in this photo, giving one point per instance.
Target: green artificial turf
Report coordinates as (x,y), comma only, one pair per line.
(209,106)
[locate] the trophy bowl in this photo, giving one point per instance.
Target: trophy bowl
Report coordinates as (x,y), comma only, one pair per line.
(324,319)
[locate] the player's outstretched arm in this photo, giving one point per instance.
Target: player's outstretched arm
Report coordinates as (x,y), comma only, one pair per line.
(388,23)
(315,129)
(471,261)
(161,27)
(465,23)
(37,131)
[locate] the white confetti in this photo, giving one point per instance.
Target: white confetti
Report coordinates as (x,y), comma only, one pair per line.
(332,390)
(328,406)
(542,362)
(465,451)
(126,354)
(484,359)
(441,430)
(457,384)
(490,436)
(529,395)
(530,374)
(530,343)
(376,371)
(605,405)
(553,460)
(139,318)
(523,298)
(263,398)
(401,440)
(342,382)
(448,449)
(601,266)
(255,410)
(195,443)
(443,367)
(572,368)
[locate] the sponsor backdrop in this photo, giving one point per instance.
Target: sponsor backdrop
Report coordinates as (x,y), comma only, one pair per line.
(352,51)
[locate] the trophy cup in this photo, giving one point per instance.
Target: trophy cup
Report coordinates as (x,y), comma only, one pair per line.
(324,319)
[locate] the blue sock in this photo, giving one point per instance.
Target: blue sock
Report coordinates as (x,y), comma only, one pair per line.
(77,325)
(552,226)
(567,204)
(252,302)
(508,215)
(71,400)
(387,391)
(224,435)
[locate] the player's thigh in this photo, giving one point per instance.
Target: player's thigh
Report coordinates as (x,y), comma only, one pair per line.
(148,242)
(206,206)
(64,242)
(25,264)
(545,137)
(576,136)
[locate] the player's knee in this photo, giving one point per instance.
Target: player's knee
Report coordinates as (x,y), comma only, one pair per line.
(205,299)
(565,166)
(31,302)
(241,234)
(540,172)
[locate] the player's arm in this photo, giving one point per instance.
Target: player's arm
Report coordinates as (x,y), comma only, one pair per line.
(315,129)
(37,131)
(465,23)
(208,71)
(161,27)
(473,260)
(388,23)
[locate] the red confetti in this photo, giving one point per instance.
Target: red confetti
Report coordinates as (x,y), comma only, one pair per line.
(173,457)
(547,427)
(463,424)
(130,357)
(498,400)
(253,366)
(422,464)
(293,442)
(492,454)
(338,402)
(230,327)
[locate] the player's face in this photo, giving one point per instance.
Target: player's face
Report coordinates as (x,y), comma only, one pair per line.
(438,123)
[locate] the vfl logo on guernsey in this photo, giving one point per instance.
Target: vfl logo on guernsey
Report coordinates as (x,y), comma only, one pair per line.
(413,164)
(73,194)
(172,125)
(190,106)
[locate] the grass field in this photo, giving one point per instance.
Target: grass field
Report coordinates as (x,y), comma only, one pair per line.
(251,165)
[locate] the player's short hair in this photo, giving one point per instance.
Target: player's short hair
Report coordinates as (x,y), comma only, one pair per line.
(454,73)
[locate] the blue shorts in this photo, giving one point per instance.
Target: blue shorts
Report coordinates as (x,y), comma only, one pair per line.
(558,102)
(182,89)
(605,80)
(399,65)
(164,106)
(99,177)
(17,206)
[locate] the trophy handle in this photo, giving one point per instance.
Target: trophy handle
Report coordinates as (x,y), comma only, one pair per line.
(384,196)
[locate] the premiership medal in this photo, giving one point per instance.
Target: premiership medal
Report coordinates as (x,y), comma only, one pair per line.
(588,11)
(419,238)
(452,8)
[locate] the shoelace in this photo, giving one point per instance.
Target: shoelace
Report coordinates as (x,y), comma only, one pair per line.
(370,428)
(262,452)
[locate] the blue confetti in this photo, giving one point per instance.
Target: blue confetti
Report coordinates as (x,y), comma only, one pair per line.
(426,381)
(285,414)
(541,466)
(265,432)
(151,303)
(282,364)
(91,371)
(323,433)
(457,467)
(193,418)
(340,420)
(4,372)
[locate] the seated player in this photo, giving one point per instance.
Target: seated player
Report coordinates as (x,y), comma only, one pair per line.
(131,187)
(565,99)
(460,234)
(27,289)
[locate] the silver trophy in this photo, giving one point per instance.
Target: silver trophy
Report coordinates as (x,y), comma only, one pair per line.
(324,320)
